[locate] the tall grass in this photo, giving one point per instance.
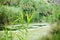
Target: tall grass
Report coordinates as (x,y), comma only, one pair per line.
(28,11)
(8,34)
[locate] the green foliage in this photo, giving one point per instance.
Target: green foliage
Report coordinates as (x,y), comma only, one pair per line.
(13,12)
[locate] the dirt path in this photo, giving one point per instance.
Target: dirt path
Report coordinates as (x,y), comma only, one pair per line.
(37,33)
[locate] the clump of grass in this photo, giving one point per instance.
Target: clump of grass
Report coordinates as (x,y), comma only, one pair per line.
(54,33)
(21,35)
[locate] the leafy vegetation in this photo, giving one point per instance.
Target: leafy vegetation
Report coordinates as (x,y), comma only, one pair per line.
(14,12)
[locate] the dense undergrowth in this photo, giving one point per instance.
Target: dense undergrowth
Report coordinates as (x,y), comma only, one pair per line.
(13,12)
